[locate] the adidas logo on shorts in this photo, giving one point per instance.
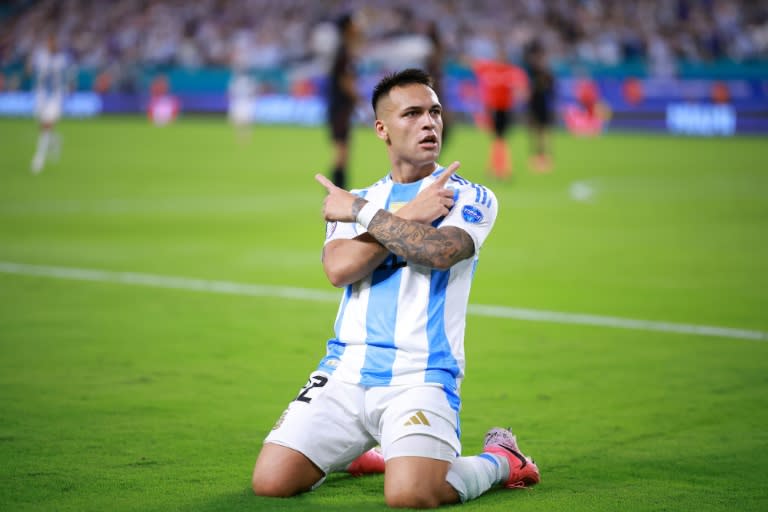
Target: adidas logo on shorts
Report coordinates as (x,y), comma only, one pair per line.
(417,419)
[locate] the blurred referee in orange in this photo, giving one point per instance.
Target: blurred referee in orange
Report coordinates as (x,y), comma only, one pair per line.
(502,85)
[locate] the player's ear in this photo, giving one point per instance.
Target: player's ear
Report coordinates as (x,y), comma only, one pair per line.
(381,130)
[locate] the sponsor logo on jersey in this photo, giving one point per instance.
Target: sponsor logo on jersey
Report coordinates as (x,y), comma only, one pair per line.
(472,214)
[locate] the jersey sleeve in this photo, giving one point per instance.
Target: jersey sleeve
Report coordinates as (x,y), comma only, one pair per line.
(475,212)
(341,231)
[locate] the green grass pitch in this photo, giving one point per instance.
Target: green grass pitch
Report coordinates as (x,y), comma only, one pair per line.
(133,397)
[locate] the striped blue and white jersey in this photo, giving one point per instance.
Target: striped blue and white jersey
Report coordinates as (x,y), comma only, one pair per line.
(51,75)
(404,323)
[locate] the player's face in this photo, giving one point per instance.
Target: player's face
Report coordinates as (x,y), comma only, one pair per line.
(411,122)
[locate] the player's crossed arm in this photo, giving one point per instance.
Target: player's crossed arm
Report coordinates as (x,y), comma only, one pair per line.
(408,234)
(346,261)
(431,203)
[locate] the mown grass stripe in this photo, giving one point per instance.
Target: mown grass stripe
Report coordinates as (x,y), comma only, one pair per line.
(287,292)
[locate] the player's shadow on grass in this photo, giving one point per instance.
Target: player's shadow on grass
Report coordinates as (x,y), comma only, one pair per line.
(340,492)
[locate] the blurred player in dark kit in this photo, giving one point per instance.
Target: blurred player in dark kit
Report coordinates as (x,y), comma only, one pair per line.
(434,67)
(342,95)
(541,115)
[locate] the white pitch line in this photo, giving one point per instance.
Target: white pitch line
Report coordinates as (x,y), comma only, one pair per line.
(287,292)
(557,317)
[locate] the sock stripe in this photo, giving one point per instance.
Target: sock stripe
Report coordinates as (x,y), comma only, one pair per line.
(489,457)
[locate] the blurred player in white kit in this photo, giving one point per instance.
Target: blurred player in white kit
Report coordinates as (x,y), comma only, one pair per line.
(52,70)
(242,92)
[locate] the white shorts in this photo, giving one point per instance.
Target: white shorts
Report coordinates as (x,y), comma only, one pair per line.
(241,112)
(333,422)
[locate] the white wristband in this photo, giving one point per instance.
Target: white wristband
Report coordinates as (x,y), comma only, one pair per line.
(366,213)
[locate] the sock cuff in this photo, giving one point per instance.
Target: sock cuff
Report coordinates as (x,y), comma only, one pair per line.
(492,458)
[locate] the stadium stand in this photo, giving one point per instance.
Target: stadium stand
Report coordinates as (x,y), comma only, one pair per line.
(122,45)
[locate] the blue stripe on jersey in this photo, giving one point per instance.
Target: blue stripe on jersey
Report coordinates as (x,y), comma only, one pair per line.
(381,315)
(442,367)
(459,179)
(380,326)
(379,358)
(402,192)
(478,192)
(481,195)
(455,402)
(334,350)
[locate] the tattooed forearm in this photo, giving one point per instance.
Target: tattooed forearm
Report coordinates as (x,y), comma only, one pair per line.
(420,243)
(357,205)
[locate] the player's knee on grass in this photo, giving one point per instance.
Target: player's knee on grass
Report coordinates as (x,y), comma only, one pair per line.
(281,472)
(272,484)
(426,492)
(403,498)
(275,485)
(417,482)
(269,486)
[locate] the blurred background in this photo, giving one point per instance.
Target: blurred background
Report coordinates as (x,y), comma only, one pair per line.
(689,66)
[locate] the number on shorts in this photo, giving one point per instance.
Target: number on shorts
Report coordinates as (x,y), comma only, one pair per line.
(316,380)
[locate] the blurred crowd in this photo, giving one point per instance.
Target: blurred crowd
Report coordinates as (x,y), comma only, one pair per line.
(258,34)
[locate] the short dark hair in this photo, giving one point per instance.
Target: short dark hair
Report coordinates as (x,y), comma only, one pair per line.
(398,79)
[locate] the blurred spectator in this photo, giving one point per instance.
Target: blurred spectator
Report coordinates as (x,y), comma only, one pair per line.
(123,34)
(588,116)
(163,107)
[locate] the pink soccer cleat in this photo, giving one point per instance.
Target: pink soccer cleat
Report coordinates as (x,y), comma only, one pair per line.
(522,470)
(369,462)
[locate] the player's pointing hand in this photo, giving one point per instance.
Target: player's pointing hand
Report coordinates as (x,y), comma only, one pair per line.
(447,173)
(338,205)
(433,202)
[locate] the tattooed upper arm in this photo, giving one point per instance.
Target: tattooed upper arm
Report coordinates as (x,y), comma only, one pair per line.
(464,243)
(447,247)
(422,244)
